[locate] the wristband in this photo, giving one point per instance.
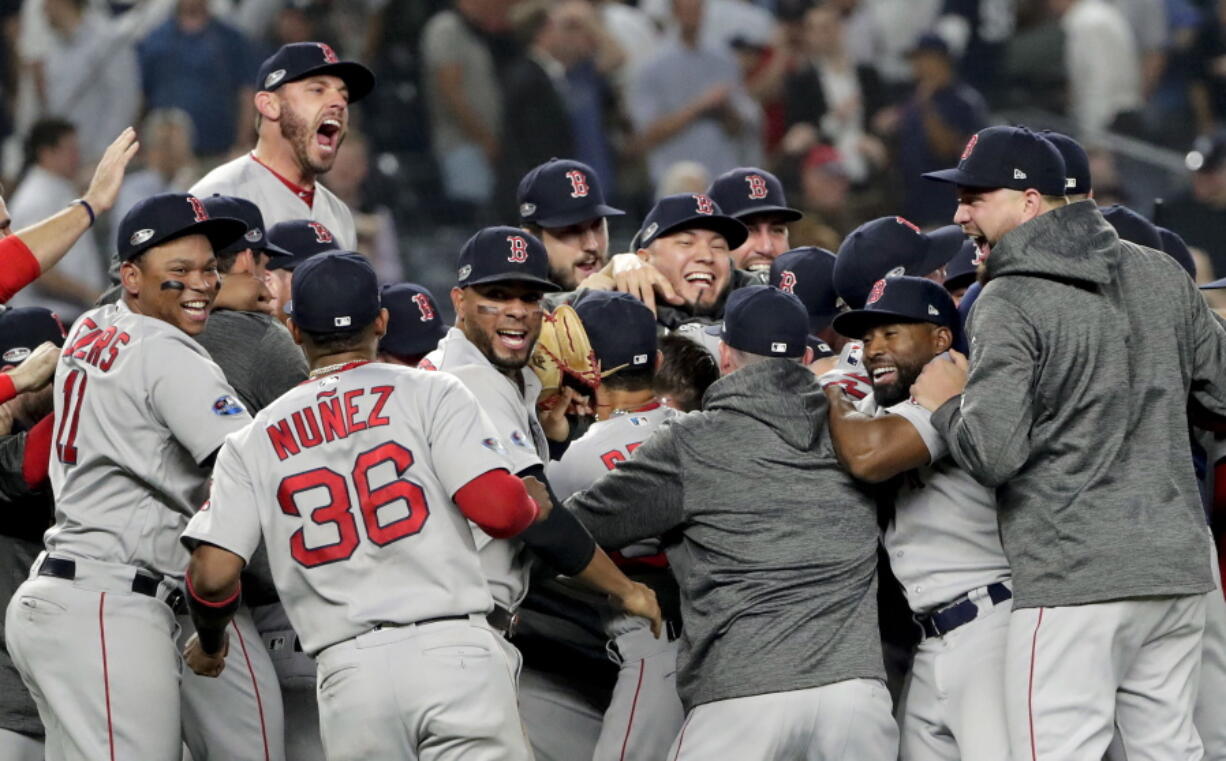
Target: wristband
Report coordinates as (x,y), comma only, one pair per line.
(88,209)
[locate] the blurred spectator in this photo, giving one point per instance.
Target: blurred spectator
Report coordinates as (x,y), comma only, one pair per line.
(932,129)
(90,75)
(463,98)
(688,105)
(683,177)
(53,156)
(1151,30)
(722,21)
(1199,216)
(831,92)
(880,33)
(170,165)
(1103,66)
(635,33)
(1169,111)
(1208,89)
(201,64)
(376,227)
(595,56)
(977,32)
(824,199)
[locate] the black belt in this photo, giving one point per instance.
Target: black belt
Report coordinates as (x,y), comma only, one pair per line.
(387,625)
(504,621)
(142,583)
(964,611)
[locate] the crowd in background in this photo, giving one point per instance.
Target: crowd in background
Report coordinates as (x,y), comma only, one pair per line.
(848,101)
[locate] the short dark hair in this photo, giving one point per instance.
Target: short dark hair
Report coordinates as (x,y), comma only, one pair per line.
(687,371)
(631,378)
(46,133)
(338,341)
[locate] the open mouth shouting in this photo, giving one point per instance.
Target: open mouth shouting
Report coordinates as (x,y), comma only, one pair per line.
(327,136)
(701,279)
(514,340)
(983,248)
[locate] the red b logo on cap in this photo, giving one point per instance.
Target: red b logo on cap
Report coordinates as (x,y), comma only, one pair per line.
(578,184)
(705,205)
(423,306)
(787,282)
(909,223)
(322,234)
(878,291)
(202,214)
(757,186)
(329,53)
(970,146)
(519,249)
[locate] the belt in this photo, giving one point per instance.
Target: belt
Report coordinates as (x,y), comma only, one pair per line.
(142,583)
(386,625)
(503,621)
(945,620)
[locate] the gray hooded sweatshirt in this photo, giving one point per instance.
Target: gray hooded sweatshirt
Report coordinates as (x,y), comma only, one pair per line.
(1084,350)
(776,550)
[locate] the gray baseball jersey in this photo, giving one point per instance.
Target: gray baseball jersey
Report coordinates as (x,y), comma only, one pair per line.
(245,177)
(138,406)
(944,540)
(513,415)
(349,478)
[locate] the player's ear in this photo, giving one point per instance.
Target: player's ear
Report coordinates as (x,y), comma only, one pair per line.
(943,339)
(457,304)
(644,254)
(294,331)
(130,276)
(808,358)
(268,105)
(381,323)
(659,360)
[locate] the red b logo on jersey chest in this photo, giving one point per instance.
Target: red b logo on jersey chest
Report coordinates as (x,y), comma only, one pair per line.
(757,186)
(202,214)
(519,249)
(329,53)
(787,282)
(705,204)
(878,291)
(578,184)
(322,234)
(423,306)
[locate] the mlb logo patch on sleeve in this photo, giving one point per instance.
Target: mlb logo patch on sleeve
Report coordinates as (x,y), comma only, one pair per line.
(228,405)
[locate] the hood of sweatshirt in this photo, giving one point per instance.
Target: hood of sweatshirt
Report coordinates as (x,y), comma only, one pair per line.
(783,395)
(1041,247)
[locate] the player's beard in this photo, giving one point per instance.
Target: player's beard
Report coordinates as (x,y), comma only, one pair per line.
(298,134)
(485,344)
(899,391)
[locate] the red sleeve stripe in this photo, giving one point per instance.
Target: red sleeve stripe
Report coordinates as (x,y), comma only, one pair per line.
(209,603)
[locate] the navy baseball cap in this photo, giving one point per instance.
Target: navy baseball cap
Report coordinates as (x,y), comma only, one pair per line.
(749,191)
(1076,163)
(166,217)
(503,255)
(621,329)
(688,211)
(562,192)
(302,59)
(962,269)
(249,213)
(300,239)
(335,292)
(1007,157)
(1177,248)
(414,324)
(763,320)
(808,274)
(900,299)
(884,247)
(1132,227)
(24,329)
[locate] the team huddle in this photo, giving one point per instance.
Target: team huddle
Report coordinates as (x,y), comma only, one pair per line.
(296,516)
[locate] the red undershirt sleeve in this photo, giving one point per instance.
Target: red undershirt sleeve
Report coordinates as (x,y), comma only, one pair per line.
(18,267)
(37,456)
(498,503)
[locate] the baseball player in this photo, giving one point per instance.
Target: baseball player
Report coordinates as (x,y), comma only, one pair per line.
(644,714)
(808,274)
(33,250)
(562,204)
(889,247)
(351,481)
(756,198)
(1100,516)
(302,238)
(942,539)
(140,412)
(302,102)
(414,324)
(502,277)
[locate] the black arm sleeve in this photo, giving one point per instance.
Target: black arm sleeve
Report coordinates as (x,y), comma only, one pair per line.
(211,618)
(560,540)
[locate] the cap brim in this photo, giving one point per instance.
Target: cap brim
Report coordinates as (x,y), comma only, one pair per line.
(786,212)
(578,215)
(274,251)
(959,280)
(1213,286)
(359,79)
(511,277)
(733,230)
(956,176)
(411,346)
(856,323)
(221,232)
(934,259)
